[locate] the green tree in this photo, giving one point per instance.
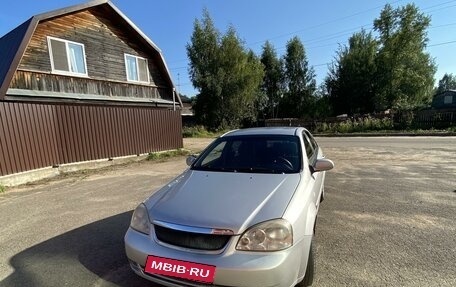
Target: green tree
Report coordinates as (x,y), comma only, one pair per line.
(323,108)
(299,98)
(405,72)
(273,80)
(203,53)
(351,77)
(240,76)
(227,75)
(448,82)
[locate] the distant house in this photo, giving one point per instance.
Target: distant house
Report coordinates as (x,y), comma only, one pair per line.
(188,115)
(83,83)
(445,100)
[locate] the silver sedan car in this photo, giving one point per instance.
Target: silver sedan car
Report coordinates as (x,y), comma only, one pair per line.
(243,214)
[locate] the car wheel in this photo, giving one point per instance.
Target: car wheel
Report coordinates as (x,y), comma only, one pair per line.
(308,278)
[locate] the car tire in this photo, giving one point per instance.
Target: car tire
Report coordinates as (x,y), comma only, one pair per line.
(310,270)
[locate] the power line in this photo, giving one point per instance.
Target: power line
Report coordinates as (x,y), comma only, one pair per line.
(433,45)
(443,8)
(332,44)
(349,16)
(179,68)
(443,25)
(328,45)
(185,84)
(443,43)
(336,35)
(178,61)
(437,5)
(330,36)
(349,31)
(326,23)
(346,31)
(342,33)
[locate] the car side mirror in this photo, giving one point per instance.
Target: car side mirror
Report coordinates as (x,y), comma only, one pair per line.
(323,164)
(191,159)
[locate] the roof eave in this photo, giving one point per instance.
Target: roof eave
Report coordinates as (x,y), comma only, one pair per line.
(68,10)
(17,57)
(59,12)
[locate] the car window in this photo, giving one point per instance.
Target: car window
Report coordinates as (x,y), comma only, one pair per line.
(213,155)
(312,141)
(262,154)
(310,148)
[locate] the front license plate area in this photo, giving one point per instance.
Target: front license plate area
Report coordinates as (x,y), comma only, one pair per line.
(180,269)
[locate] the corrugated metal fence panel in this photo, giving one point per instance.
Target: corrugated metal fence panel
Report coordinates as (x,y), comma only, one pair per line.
(40,135)
(27,137)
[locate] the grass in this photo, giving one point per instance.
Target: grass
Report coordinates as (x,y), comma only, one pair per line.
(367,124)
(370,125)
(156,156)
(199,132)
(2,188)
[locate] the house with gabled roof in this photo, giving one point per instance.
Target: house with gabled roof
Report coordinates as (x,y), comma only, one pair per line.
(83,83)
(444,100)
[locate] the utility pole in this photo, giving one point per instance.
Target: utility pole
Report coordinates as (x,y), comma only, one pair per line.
(178,81)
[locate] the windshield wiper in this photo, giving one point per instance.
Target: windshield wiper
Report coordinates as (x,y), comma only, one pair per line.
(240,169)
(209,168)
(257,170)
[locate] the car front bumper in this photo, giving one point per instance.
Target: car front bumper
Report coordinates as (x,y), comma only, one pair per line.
(282,268)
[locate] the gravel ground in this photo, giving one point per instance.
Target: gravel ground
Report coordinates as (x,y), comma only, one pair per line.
(389,218)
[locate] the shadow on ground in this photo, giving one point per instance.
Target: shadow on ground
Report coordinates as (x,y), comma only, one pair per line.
(92,255)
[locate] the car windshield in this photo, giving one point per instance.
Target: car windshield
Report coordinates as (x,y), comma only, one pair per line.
(252,154)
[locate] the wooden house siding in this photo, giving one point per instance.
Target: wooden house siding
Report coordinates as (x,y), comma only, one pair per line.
(105,42)
(49,118)
(445,100)
(79,85)
(41,135)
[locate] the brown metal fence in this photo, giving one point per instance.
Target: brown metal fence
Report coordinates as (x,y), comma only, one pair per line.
(39,135)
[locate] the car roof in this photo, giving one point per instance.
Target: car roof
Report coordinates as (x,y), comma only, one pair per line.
(266,131)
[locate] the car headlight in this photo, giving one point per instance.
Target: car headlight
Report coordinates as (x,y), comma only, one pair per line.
(140,219)
(271,235)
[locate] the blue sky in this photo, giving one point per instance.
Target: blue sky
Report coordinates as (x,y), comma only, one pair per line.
(321,25)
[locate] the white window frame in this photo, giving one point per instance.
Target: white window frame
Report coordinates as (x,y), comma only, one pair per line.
(137,65)
(62,72)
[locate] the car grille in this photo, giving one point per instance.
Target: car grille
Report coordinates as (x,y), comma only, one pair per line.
(191,240)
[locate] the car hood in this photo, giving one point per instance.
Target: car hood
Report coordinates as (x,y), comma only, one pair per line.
(223,200)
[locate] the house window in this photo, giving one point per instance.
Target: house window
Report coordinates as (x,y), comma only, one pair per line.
(448,100)
(137,70)
(67,57)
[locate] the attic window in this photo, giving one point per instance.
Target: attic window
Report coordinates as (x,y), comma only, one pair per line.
(448,100)
(137,70)
(67,57)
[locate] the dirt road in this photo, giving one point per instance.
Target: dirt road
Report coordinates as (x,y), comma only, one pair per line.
(389,218)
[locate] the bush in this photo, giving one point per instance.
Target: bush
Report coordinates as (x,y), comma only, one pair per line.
(365,124)
(167,154)
(196,132)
